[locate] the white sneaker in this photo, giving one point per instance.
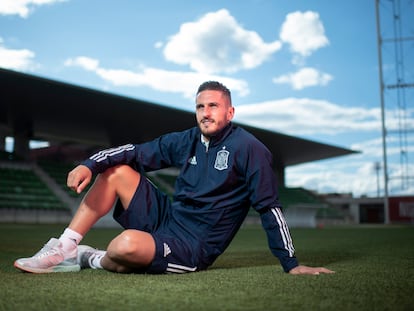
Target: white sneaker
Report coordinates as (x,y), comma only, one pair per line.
(86,255)
(51,258)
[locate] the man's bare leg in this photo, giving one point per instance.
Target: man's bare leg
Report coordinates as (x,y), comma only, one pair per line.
(132,248)
(119,181)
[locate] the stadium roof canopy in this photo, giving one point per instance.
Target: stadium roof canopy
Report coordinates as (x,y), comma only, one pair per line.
(43,109)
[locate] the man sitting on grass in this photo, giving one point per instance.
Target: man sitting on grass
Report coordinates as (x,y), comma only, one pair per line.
(224,171)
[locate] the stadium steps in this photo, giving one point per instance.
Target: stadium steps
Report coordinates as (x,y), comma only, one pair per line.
(58,171)
(24,197)
(24,188)
(58,186)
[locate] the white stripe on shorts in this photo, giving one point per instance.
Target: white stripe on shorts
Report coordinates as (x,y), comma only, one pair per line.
(173,268)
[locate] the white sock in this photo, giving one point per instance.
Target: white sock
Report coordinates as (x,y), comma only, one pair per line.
(70,239)
(95,260)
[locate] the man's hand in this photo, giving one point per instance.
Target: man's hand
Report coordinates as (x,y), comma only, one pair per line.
(310,270)
(79,178)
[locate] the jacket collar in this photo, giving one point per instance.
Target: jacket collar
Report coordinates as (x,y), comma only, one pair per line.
(220,136)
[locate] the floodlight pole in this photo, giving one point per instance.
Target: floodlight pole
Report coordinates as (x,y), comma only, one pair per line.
(384,130)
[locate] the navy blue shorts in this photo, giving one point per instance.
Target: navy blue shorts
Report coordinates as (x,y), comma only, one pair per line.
(150,211)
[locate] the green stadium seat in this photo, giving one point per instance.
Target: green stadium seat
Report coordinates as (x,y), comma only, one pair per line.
(58,171)
(23,189)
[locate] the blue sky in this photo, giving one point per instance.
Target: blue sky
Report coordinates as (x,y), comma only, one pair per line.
(300,67)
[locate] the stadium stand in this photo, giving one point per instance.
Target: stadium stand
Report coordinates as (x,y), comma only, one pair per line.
(292,196)
(58,171)
(38,191)
(25,197)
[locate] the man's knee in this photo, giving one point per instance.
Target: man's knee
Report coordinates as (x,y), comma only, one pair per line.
(119,171)
(133,248)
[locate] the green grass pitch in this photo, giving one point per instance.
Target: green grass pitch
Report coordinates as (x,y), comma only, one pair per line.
(374,271)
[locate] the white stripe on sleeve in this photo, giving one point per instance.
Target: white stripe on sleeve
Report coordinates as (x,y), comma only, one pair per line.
(104,154)
(284,230)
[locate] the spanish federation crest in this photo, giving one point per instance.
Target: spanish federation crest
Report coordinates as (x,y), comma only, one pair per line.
(222,159)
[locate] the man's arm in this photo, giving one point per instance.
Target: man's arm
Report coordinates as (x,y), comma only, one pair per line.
(280,243)
(104,159)
(278,237)
(164,151)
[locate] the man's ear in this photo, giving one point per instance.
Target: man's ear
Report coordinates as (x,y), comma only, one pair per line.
(230,113)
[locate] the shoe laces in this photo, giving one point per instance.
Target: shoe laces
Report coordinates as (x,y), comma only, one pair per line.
(47,250)
(46,253)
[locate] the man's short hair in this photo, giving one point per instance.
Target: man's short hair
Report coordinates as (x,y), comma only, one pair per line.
(214,86)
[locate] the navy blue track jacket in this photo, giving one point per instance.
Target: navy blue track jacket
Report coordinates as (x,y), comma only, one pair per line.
(216,186)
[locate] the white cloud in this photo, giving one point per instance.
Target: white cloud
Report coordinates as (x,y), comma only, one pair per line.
(16,59)
(304,116)
(374,147)
(158,44)
(181,82)
(336,175)
(304,32)
(218,43)
(22,8)
(354,174)
(84,62)
(305,77)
